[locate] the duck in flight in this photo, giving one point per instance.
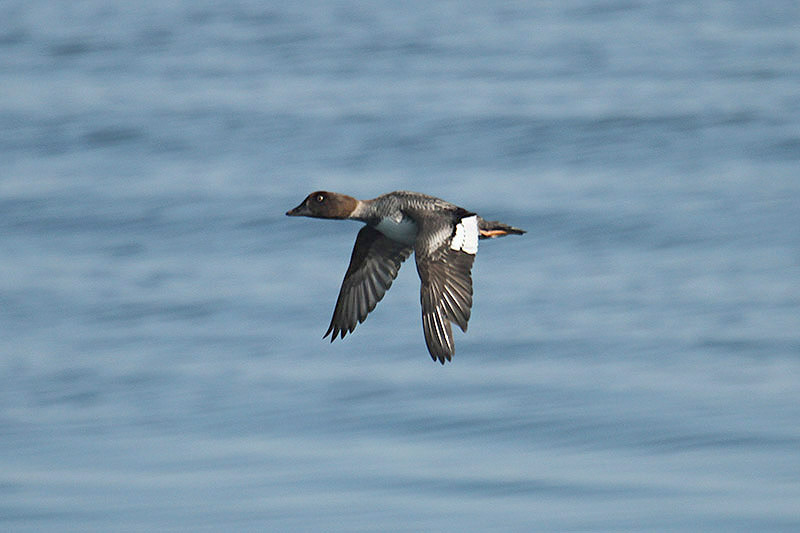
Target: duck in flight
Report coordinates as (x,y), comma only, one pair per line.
(444,239)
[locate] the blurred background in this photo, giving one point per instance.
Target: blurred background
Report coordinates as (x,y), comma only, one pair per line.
(632,363)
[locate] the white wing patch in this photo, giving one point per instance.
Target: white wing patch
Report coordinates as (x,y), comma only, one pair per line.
(466,236)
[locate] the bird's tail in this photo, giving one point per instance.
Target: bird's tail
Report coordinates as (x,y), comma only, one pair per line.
(489,229)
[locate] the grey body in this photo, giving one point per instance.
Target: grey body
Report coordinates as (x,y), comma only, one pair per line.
(444,238)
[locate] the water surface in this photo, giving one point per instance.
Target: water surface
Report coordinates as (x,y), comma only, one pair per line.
(632,363)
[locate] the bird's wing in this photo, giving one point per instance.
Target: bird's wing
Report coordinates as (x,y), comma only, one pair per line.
(374,264)
(444,267)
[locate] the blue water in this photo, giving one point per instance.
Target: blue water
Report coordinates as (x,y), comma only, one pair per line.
(632,363)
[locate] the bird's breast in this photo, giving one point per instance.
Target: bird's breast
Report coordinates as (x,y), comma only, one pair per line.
(401,230)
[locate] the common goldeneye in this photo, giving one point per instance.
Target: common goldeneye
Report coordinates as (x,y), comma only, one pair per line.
(444,239)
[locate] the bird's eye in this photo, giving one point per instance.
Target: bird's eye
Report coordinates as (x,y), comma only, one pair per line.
(320,198)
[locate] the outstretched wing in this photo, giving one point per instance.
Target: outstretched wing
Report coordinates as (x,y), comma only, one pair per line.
(374,264)
(446,289)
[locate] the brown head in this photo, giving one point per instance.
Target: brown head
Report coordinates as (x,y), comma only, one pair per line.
(324,204)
